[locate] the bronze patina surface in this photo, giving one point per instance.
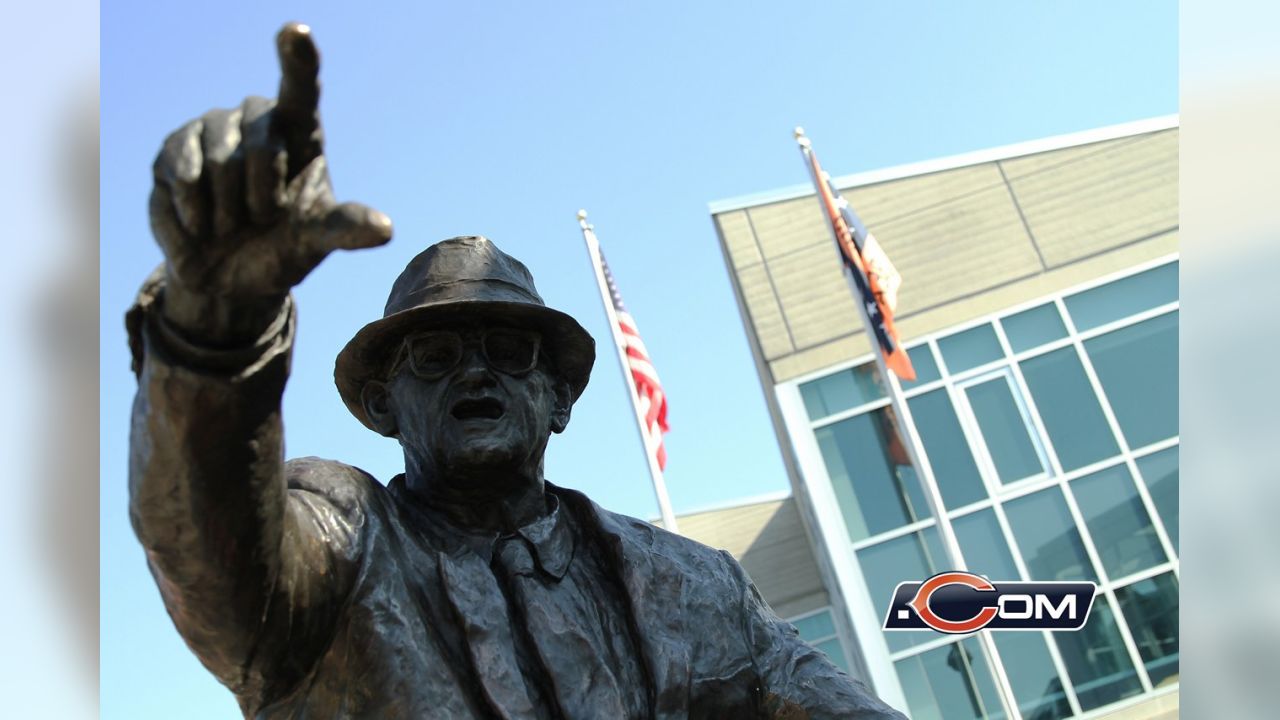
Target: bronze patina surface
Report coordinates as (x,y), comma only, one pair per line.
(467,587)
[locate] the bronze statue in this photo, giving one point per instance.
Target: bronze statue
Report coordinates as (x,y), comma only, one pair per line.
(466,588)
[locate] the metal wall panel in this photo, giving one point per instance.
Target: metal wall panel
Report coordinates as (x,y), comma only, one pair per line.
(814,295)
(769,540)
(968,241)
(766,315)
(736,231)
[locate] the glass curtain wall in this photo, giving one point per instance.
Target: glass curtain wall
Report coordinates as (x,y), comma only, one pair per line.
(818,628)
(1052,431)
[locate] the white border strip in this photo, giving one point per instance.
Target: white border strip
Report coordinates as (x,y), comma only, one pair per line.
(951,162)
(762,498)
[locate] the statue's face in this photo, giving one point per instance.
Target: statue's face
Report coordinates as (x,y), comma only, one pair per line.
(469,399)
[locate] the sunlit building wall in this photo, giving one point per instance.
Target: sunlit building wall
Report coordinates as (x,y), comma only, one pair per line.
(1040,310)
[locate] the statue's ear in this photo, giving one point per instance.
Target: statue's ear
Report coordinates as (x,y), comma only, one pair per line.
(561,405)
(377,407)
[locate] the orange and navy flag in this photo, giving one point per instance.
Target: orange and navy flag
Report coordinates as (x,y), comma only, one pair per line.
(875,278)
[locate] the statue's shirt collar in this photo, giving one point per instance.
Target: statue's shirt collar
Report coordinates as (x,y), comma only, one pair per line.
(549,539)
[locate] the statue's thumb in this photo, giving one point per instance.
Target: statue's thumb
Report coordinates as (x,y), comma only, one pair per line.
(350,226)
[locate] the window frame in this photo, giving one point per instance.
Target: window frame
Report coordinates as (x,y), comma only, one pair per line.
(812,473)
(837,635)
(978,444)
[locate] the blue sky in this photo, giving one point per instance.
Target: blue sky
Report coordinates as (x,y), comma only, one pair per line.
(505,118)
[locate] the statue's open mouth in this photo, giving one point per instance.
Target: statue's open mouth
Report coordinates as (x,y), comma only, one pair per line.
(477,408)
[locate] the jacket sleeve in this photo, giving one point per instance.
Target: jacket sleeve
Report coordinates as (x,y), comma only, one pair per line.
(796,680)
(251,572)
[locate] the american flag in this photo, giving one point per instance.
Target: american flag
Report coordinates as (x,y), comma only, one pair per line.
(875,278)
(650,399)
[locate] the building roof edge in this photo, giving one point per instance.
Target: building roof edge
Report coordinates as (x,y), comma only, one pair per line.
(951,162)
(774,496)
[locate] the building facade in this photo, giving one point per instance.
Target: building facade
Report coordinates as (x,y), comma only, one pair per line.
(1040,311)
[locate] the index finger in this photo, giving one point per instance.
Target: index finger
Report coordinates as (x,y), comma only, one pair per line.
(297,107)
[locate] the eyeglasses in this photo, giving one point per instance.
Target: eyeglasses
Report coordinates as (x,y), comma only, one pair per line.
(433,354)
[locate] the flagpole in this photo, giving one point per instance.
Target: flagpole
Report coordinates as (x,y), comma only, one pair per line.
(915,448)
(619,344)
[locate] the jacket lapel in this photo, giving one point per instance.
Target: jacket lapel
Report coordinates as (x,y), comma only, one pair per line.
(655,593)
(479,603)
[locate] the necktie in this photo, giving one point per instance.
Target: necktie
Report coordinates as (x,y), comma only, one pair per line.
(474,593)
(568,647)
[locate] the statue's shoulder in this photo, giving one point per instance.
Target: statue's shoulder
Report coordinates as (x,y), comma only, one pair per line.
(678,553)
(343,485)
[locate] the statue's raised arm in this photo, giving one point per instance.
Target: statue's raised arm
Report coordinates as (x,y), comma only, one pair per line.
(468,587)
(252,572)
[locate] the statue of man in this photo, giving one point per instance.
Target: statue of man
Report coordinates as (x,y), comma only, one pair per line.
(469,587)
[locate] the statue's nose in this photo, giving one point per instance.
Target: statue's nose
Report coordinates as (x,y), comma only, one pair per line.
(475,368)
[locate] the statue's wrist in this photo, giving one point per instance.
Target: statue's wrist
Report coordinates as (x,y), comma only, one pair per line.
(219,321)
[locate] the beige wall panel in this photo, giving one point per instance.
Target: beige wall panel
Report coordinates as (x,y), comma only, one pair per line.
(957,247)
(1120,193)
(913,327)
(734,529)
(769,540)
(823,356)
(1017,167)
(799,606)
(788,226)
(1036,287)
(781,585)
(766,315)
(959,241)
(791,225)
(888,201)
(814,295)
(781,578)
(736,232)
(939,249)
(780,562)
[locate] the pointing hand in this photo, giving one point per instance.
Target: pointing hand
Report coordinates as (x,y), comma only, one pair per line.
(242,204)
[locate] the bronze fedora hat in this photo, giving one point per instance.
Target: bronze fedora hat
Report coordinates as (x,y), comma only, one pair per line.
(465,279)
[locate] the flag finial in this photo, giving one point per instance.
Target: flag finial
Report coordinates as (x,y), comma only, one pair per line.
(582,214)
(800,137)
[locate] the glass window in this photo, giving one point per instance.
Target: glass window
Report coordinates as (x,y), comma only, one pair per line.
(819,630)
(1069,408)
(970,348)
(1004,430)
(1118,521)
(984,547)
(1138,369)
(910,558)
(922,362)
(815,626)
(841,391)
(871,474)
(1124,297)
(952,682)
(1050,544)
(1031,673)
(1160,473)
(834,652)
(1096,659)
(1034,327)
(947,449)
(1151,608)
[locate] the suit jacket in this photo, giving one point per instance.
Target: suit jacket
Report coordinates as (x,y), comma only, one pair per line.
(313,592)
